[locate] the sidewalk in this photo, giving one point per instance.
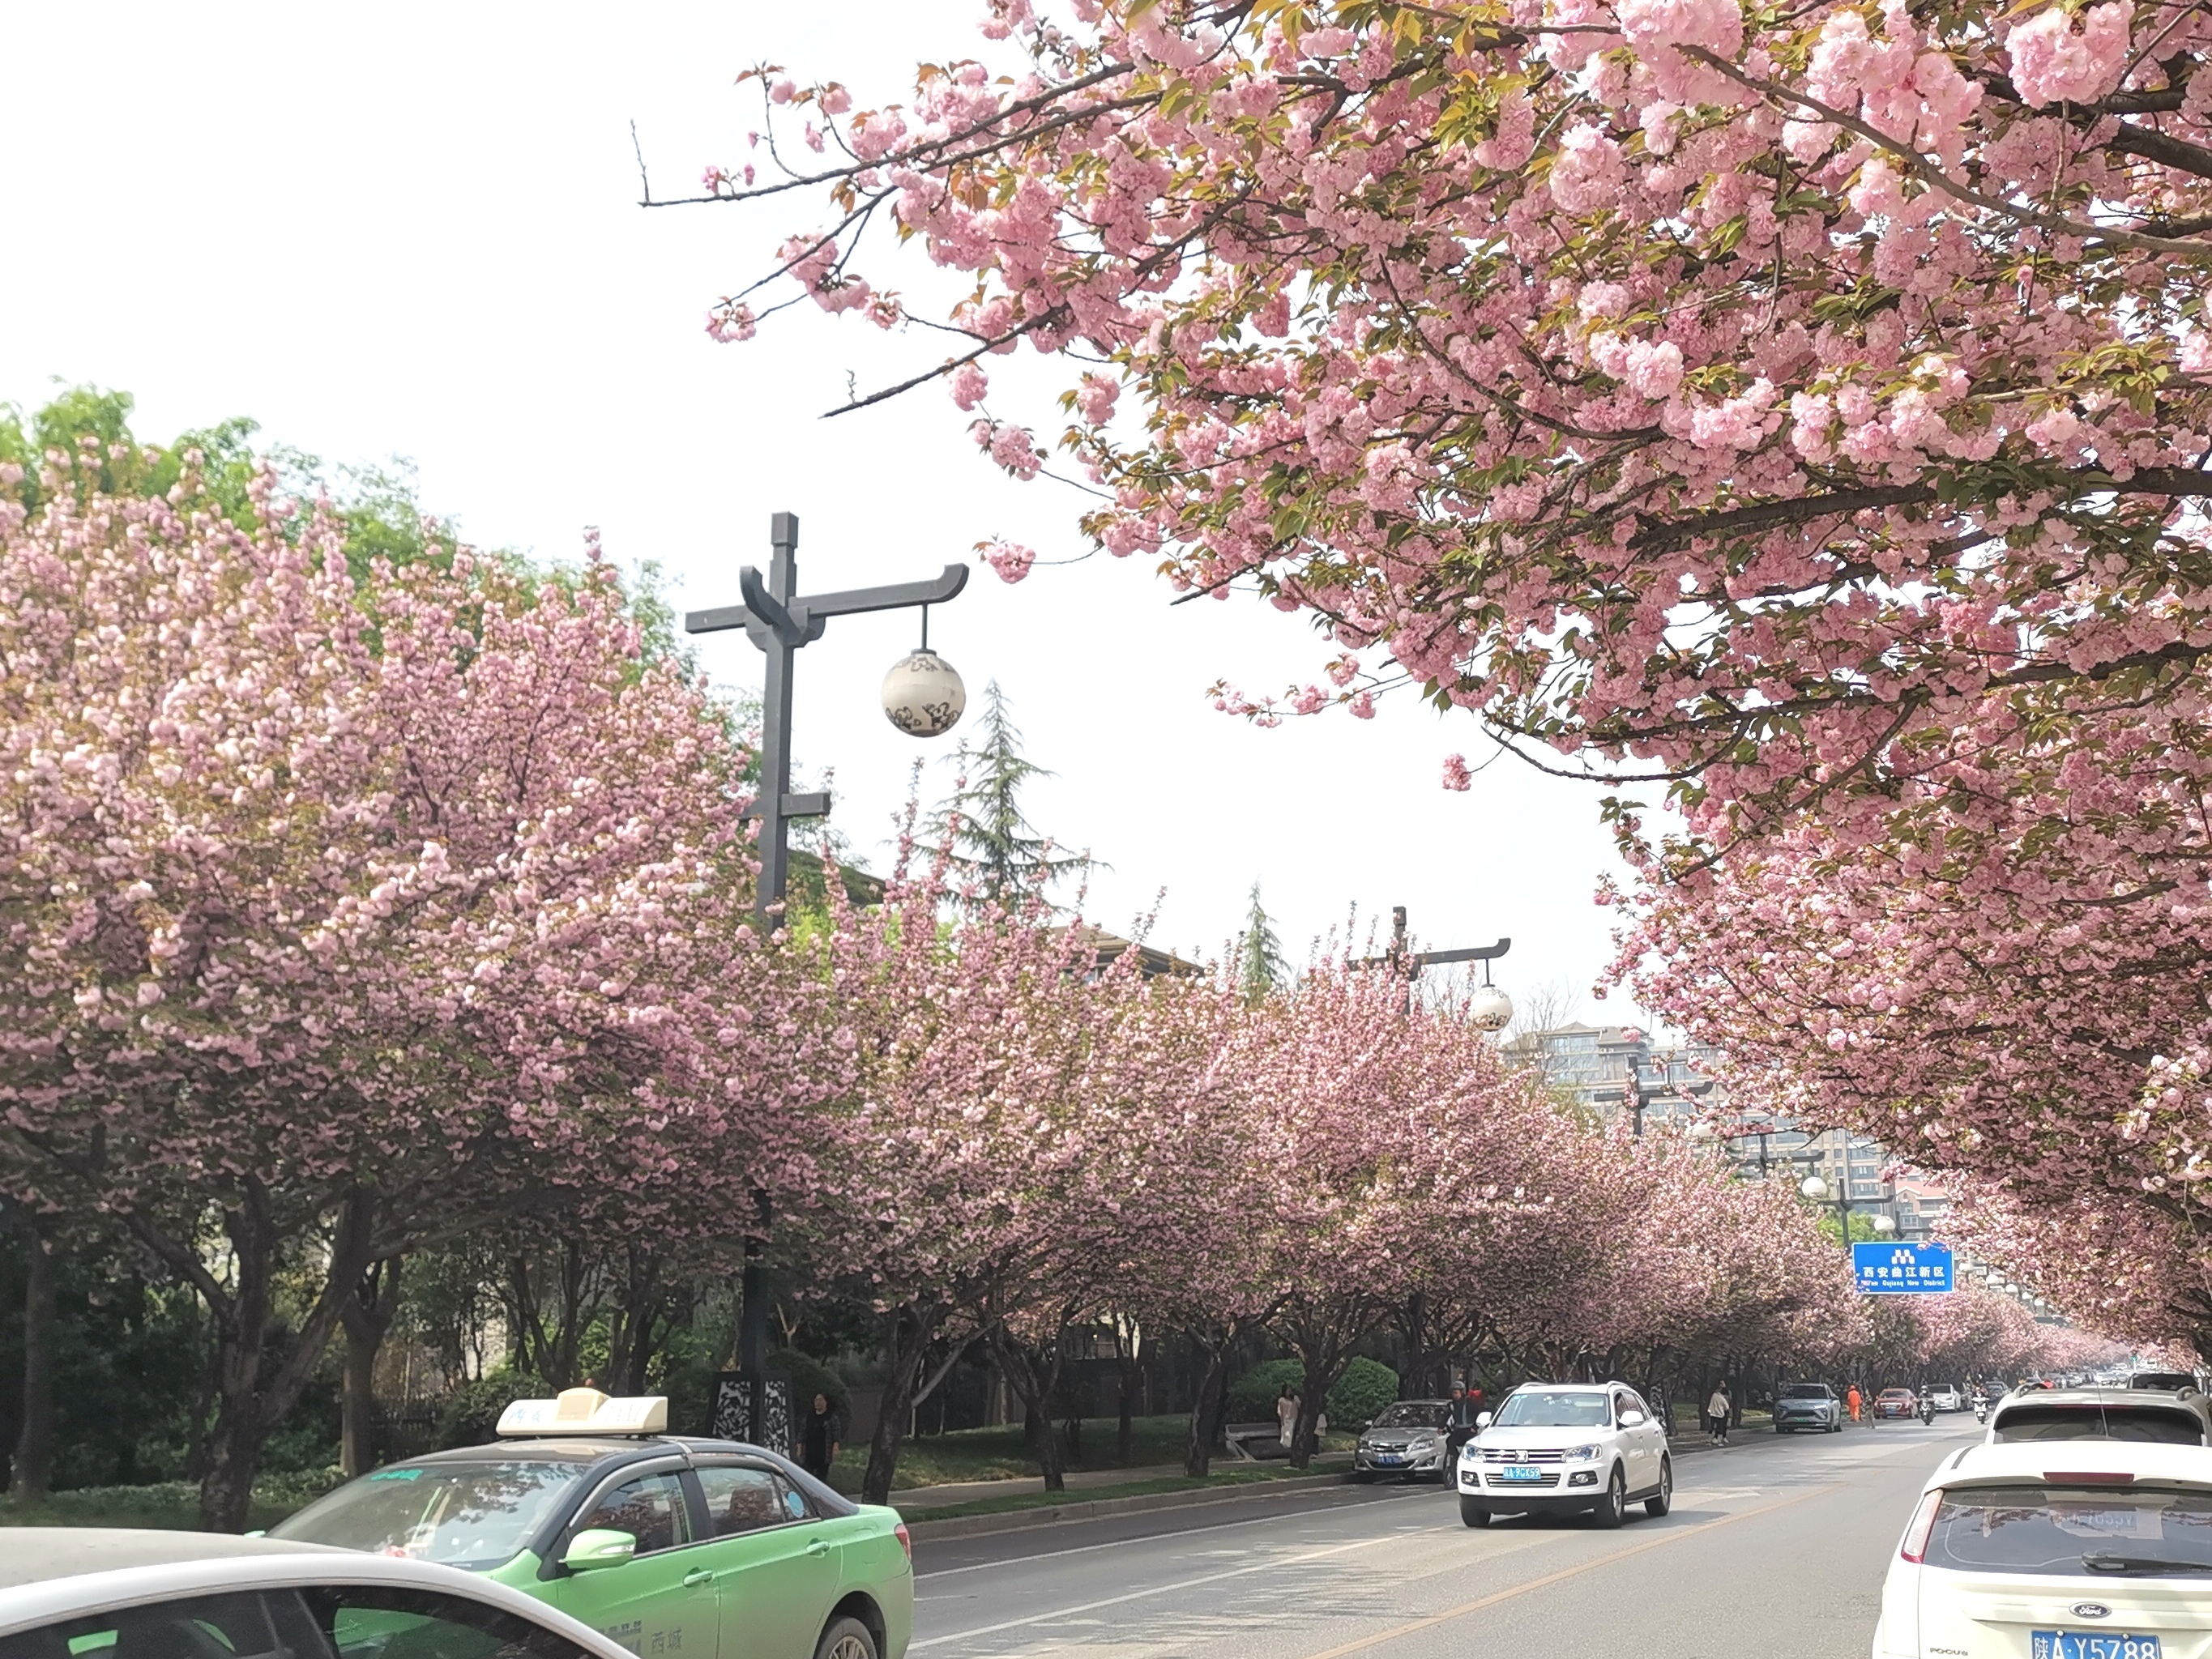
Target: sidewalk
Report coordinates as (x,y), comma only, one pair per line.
(912,1500)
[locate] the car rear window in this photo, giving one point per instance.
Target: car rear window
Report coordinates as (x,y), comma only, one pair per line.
(2076,1532)
(2147,1424)
(465,1515)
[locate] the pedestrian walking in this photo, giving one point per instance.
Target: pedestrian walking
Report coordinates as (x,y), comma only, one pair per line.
(1717,1415)
(1852,1401)
(1286,1415)
(817,1438)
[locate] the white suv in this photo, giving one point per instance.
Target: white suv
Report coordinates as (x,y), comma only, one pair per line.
(2091,1549)
(1566,1448)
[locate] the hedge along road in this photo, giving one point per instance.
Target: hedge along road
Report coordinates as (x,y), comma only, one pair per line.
(1772,1549)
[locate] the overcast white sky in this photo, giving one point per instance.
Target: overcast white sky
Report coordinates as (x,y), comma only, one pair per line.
(410,229)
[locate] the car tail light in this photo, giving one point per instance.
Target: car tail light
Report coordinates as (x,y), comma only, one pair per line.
(2086,1477)
(906,1539)
(1923,1522)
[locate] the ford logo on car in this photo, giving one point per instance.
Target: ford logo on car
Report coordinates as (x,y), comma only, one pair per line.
(2091,1610)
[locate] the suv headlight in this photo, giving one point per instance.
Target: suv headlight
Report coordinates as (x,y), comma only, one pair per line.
(1581,1454)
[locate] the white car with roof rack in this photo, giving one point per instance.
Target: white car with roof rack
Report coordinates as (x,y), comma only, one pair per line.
(1566,1448)
(2074,1549)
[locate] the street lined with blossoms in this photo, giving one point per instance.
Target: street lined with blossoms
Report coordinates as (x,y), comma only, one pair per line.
(1777,1546)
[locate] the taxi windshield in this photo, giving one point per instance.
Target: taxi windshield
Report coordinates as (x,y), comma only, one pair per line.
(465,1514)
(2074,1534)
(1550,1408)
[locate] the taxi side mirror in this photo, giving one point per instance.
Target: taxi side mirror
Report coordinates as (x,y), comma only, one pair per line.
(599,1546)
(1481,1421)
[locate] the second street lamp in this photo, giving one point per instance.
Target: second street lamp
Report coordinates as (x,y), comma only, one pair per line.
(1814,1188)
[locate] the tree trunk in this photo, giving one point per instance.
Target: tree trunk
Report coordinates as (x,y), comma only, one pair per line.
(1034,1376)
(33,1469)
(367,1316)
(251,1398)
(1205,1411)
(1125,1431)
(911,1333)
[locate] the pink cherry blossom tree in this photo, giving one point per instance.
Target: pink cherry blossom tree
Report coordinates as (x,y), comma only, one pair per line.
(1713,398)
(337,918)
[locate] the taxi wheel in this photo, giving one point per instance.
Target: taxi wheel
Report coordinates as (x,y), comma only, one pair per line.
(1663,1500)
(1472,1514)
(1613,1508)
(845,1639)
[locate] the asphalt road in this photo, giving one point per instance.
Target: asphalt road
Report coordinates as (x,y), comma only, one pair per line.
(1776,1549)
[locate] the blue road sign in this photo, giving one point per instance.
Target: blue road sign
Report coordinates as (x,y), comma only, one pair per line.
(1884,1269)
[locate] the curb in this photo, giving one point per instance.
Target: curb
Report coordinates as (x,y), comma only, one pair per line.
(1079,1509)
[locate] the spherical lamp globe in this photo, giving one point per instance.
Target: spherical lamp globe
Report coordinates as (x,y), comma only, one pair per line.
(923,695)
(1884,1225)
(1489,1009)
(1813,1188)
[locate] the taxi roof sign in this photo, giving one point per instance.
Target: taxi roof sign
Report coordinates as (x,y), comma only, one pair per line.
(586,1410)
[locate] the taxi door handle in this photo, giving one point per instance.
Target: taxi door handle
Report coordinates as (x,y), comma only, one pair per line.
(816,1546)
(698,1576)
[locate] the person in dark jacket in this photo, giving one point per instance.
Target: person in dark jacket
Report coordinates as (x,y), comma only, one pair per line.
(817,1438)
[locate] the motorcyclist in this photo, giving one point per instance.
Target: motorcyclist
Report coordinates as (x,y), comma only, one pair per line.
(1927,1404)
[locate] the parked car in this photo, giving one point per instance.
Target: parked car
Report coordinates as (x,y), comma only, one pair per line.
(95,1590)
(1566,1448)
(1409,1438)
(671,1545)
(1947,1397)
(2109,1559)
(1895,1402)
(1807,1406)
(2167,1419)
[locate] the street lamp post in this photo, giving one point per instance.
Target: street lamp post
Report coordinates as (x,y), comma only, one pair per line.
(780,623)
(1492,1009)
(1817,1189)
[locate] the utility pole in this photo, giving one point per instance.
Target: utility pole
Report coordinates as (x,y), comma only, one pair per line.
(780,623)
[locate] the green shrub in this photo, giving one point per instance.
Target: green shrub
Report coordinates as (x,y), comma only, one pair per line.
(1252,1396)
(809,1377)
(1367,1387)
(470,1415)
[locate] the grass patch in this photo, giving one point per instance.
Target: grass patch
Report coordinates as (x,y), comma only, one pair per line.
(1243,1476)
(1002,1453)
(171,1506)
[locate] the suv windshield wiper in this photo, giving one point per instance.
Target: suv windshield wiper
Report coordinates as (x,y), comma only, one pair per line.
(2101,1561)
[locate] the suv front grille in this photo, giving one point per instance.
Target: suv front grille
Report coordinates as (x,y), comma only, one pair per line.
(1549,1478)
(1499,1455)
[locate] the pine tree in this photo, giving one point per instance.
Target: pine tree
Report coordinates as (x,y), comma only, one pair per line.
(995,845)
(1259,954)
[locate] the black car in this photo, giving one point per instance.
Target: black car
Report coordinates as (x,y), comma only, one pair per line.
(1807,1406)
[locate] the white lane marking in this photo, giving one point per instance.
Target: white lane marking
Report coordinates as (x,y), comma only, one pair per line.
(1060,1614)
(1159,1537)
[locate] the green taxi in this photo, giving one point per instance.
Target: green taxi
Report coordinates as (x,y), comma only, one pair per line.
(676,1547)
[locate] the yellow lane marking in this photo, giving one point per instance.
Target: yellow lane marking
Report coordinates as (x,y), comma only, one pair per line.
(1415,1626)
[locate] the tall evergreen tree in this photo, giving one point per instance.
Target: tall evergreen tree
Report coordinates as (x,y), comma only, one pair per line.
(1259,954)
(994,844)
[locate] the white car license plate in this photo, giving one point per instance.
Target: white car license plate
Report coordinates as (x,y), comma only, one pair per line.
(2083,1645)
(1521,1472)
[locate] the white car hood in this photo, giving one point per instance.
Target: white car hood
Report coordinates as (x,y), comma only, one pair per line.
(1519,1439)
